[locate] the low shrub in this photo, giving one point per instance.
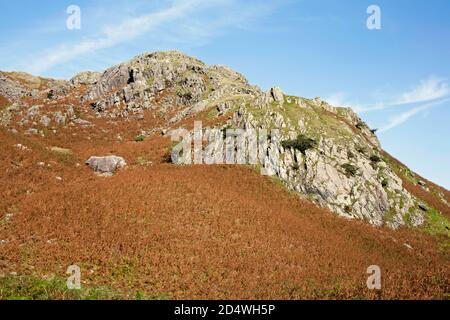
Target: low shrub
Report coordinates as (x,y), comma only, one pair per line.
(139,138)
(302,143)
(350,169)
(374,158)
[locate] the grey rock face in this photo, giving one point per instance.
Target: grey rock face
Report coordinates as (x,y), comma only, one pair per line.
(112,79)
(163,81)
(372,192)
(106,165)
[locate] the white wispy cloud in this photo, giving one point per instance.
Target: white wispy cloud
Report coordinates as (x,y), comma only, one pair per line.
(405,116)
(428,93)
(112,35)
(430,89)
(176,23)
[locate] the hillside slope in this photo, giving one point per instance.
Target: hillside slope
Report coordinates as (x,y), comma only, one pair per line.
(332,208)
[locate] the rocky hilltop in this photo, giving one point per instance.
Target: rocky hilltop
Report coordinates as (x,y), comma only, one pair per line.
(324,153)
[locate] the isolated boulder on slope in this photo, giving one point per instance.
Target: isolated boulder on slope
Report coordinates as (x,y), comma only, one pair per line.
(106,165)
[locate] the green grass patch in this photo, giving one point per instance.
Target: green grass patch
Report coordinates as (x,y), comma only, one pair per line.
(437,224)
(318,121)
(404,172)
(33,288)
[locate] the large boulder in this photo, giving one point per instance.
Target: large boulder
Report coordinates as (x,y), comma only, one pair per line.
(106,165)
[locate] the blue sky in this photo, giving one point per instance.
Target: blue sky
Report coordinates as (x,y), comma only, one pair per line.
(397,78)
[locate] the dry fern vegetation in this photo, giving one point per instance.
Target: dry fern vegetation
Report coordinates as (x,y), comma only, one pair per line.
(4,102)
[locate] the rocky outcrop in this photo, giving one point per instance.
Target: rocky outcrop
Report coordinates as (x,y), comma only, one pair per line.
(163,81)
(343,171)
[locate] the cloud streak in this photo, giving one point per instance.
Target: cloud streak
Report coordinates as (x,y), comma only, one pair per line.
(430,89)
(112,35)
(428,93)
(405,116)
(189,26)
